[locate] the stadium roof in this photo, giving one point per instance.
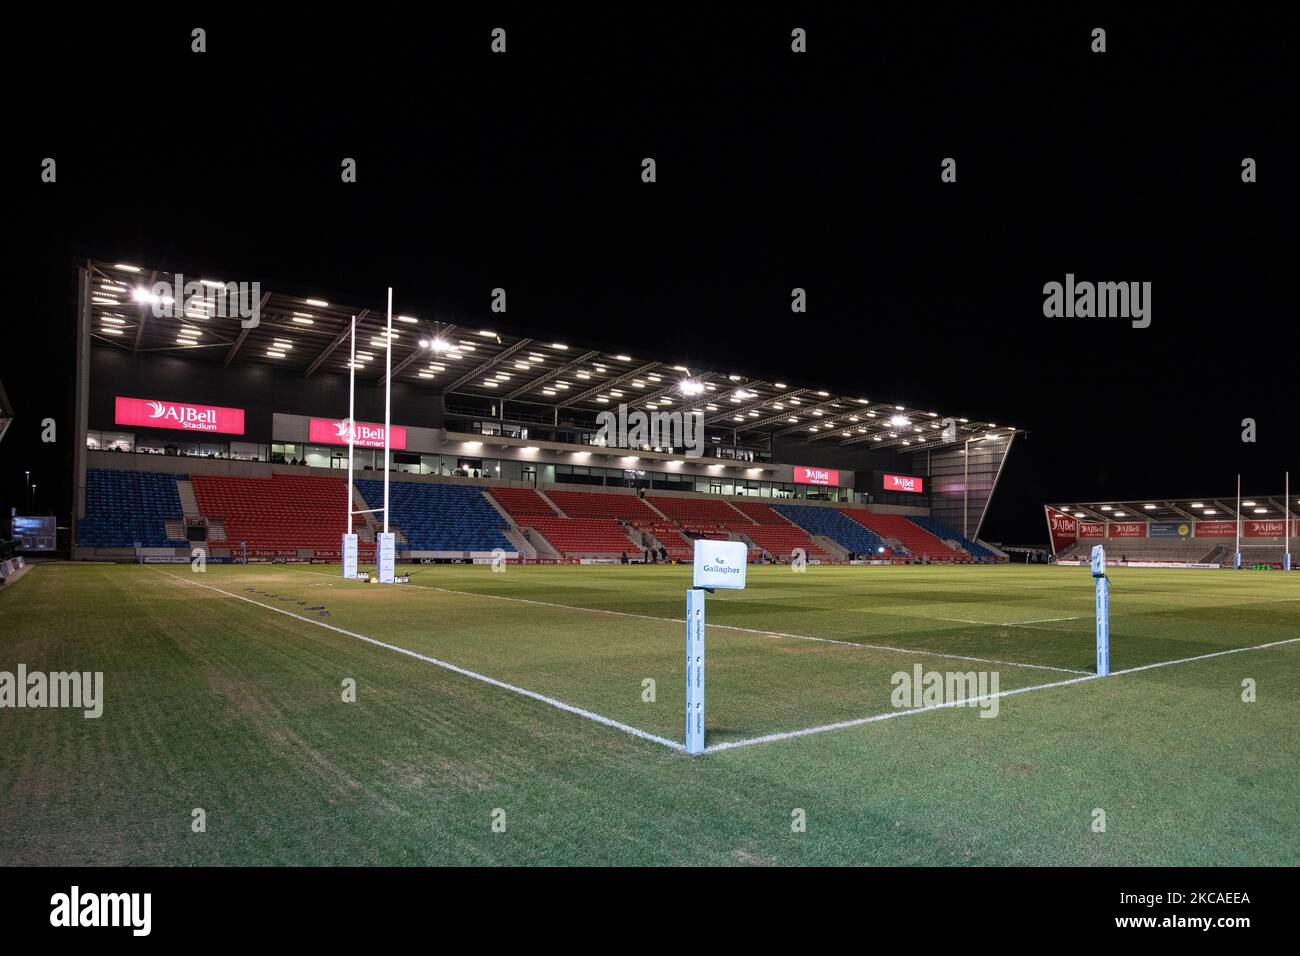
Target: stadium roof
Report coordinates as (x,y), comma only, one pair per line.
(310,335)
(1253,508)
(6,413)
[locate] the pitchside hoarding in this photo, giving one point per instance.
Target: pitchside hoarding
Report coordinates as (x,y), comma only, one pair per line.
(334,431)
(826,477)
(156,413)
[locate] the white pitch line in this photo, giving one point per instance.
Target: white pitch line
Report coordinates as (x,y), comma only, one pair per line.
(558,704)
(1045,620)
(858,722)
(751,630)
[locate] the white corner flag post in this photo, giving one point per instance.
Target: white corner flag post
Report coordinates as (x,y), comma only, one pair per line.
(386,558)
(1236,561)
(717,564)
(350,539)
(1103,609)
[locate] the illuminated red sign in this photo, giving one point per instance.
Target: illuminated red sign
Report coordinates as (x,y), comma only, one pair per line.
(334,431)
(1063,528)
(816,476)
(1092,529)
(152,413)
(1128,529)
(1264,529)
(904,483)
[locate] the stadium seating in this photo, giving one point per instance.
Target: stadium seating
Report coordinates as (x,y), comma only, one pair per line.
(520,502)
(761,513)
(278,515)
(834,524)
(581,537)
(942,531)
(700,513)
(918,542)
(123,507)
(438,517)
(780,542)
(599,504)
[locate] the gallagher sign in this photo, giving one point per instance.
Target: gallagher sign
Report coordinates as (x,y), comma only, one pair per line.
(720,564)
(331,431)
(151,413)
(904,483)
(828,477)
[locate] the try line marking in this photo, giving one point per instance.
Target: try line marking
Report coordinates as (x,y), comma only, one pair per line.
(558,704)
(744,630)
(858,722)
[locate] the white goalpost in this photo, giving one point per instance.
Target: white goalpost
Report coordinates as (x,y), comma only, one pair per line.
(385,545)
(349,537)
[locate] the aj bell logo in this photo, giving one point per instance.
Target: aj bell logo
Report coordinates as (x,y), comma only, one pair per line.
(103,909)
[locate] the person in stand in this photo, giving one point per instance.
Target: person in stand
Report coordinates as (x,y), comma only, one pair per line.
(624,560)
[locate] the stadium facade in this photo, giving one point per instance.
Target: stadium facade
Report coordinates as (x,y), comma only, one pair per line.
(214,414)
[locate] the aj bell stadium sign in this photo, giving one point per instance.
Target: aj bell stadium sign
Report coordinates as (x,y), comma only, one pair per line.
(155,413)
(334,431)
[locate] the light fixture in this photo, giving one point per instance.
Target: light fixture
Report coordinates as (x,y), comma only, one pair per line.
(319,303)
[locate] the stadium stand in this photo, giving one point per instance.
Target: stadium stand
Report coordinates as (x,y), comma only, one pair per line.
(918,541)
(760,513)
(123,507)
(521,502)
(700,513)
(438,517)
(780,542)
(584,537)
(275,516)
(597,504)
(833,524)
(945,533)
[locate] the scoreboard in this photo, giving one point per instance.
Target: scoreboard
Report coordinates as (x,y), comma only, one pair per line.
(34,532)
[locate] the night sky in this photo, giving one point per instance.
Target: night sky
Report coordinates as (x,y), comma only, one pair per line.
(819,170)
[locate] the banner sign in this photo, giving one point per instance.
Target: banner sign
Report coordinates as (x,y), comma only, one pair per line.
(1170,529)
(151,413)
(904,483)
(1128,529)
(1216,529)
(1092,529)
(1263,529)
(334,431)
(1063,529)
(827,477)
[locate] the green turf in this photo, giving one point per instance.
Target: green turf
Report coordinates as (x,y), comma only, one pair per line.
(222,704)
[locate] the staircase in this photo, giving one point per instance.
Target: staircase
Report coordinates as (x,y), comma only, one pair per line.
(189,504)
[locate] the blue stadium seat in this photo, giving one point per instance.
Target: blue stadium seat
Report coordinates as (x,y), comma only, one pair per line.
(437,517)
(841,529)
(941,530)
(123,507)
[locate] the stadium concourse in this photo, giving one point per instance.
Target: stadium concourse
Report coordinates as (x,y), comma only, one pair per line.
(214,415)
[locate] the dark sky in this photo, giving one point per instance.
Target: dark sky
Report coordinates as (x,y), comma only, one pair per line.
(775,170)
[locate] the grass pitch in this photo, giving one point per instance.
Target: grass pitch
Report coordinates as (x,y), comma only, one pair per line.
(224,692)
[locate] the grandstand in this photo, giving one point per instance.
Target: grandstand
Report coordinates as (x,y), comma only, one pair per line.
(235,450)
(1196,532)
